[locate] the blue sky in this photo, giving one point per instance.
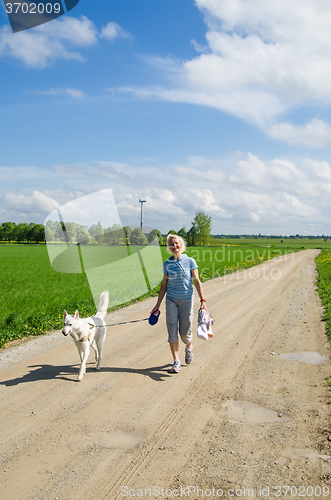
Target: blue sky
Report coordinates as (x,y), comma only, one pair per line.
(192,105)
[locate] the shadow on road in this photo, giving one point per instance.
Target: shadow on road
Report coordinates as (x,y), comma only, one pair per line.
(51,372)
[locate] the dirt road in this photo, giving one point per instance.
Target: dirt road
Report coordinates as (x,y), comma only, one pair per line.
(241,418)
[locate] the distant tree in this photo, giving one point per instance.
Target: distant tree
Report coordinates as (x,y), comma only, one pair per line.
(70,230)
(202,225)
(93,230)
(49,235)
(127,231)
(78,227)
(97,232)
(8,229)
(52,225)
(138,238)
(172,231)
(37,233)
(60,233)
(21,231)
(191,237)
(29,234)
(182,233)
(114,235)
(82,236)
(155,233)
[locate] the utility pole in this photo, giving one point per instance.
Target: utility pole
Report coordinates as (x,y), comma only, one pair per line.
(141,213)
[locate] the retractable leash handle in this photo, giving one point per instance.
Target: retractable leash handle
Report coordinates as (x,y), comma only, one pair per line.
(154,318)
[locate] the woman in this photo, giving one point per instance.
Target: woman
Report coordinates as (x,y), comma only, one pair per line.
(178,272)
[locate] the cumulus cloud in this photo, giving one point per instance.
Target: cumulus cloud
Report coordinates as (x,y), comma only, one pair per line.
(261,60)
(113,31)
(243,193)
(29,205)
(38,48)
(315,134)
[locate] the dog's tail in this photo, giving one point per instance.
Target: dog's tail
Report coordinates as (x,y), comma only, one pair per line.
(103,305)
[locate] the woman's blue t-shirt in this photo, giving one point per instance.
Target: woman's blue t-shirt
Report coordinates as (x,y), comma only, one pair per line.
(179,276)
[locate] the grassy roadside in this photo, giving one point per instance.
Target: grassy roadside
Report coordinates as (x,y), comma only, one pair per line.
(323,265)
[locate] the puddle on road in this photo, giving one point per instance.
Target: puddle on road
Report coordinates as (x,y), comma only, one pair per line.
(120,439)
(244,411)
(312,455)
(312,358)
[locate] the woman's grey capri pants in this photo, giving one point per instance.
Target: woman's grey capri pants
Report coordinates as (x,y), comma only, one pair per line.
(179,317)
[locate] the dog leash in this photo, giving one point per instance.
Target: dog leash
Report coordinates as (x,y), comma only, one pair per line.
(125,322)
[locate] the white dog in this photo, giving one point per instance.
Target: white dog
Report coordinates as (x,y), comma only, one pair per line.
(88,332)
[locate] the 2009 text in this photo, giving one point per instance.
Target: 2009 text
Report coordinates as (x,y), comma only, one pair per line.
(33,8)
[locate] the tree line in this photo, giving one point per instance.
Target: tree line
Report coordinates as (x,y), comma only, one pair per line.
(70,232)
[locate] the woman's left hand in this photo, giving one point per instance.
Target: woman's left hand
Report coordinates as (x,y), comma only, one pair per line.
(203,305)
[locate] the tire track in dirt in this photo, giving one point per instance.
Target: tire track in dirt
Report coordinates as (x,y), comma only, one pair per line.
(175,415)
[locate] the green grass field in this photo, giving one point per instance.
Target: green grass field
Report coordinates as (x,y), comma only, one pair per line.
(34,295)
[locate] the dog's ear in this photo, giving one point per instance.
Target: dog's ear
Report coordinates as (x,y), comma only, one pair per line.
(65,313)
(76,314)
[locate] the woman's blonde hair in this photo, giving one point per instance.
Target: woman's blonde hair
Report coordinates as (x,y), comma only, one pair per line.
(171,236)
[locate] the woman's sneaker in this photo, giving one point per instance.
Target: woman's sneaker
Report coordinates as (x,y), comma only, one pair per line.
(175,367)
(188,355)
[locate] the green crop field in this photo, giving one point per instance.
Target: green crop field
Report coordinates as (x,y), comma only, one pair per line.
(323,263)
(34,294)
(215,262)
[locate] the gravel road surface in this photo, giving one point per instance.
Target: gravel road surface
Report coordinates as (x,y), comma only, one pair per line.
(248,418)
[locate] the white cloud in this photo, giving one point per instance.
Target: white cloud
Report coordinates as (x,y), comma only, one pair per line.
(315,134)
(76,93)
(263,59)
(38,48)
(113,31)
(243,193)
(29,205)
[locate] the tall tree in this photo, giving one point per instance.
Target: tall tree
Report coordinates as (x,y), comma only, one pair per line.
(21,231)
(182,233)
(83,236)
(155,235)
(8,229)
(202,225)
(49,235)
(37,233)
(114,235)
(127,231)
(138,238)
(192,237)
(96,231)
(60,232)
(70,230)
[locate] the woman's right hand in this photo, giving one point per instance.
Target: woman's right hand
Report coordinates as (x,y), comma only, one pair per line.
(155,309)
